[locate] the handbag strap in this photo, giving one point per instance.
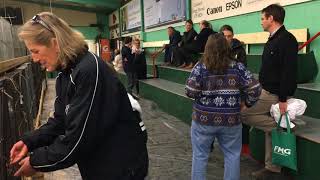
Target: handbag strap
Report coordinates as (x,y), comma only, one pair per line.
(287,121)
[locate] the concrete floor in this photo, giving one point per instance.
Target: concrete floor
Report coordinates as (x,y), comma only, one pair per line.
(169,147)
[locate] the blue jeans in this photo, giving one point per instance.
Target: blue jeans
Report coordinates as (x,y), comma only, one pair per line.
(229,139)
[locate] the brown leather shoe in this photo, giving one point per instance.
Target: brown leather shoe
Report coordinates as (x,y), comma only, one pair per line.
(182,66)
(190,66)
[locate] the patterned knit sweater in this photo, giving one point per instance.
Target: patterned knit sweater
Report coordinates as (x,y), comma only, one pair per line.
(218,96)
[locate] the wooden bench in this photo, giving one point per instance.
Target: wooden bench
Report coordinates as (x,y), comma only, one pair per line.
(262,37)
(248,39)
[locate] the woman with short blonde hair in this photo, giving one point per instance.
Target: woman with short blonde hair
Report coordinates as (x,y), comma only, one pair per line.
(45,26)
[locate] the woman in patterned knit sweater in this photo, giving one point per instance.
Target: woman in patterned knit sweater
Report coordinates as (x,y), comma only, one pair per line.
(220,87)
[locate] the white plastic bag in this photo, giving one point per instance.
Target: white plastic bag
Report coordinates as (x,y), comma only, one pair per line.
(296,107)
(134,103)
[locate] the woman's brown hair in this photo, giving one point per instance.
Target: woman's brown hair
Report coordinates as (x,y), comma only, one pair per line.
(217,55)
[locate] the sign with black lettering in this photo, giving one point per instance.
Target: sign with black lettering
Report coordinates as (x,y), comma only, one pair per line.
(213,9)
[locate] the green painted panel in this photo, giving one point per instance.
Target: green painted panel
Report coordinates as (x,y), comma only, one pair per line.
(257,144)
(88,32)
(173,104)
(254,63)
(174,75)
(103,21)
(307,66)
(307,69)
(113,4)
(256,48)
(308,160)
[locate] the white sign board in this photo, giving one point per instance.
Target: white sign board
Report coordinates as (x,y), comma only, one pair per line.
(217,9)
(157,12)
(134,15)
(131,16)
(114,18)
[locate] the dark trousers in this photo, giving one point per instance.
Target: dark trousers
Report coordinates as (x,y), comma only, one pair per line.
(184,54)
(132,82)
(168,54)
(140,171)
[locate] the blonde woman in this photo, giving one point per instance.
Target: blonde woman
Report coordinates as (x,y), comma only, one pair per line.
(117,63)
(93,125)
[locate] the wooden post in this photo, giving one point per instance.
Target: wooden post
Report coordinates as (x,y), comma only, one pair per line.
(12,63)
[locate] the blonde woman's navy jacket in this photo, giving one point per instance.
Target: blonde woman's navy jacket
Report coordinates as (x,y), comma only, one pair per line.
(93,125)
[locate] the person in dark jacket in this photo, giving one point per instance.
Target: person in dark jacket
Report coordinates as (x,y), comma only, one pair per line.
(94,124)
(278,79)
(187,38)
(174,39)
(139,60)
(188,35)
(129,65)
(237,50)
(197,46)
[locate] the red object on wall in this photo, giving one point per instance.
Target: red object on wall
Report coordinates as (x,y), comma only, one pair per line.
(105,52)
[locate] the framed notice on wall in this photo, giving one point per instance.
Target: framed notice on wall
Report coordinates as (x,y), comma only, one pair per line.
(114,18)
(213,9)
(161,12)
(131,17)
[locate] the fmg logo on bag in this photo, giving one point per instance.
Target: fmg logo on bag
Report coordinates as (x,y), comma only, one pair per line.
(282,151)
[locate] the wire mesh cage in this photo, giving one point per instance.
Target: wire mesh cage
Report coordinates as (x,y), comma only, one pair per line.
(20,90)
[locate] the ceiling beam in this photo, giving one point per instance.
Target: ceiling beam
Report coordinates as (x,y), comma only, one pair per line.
(112,4)
(100,9)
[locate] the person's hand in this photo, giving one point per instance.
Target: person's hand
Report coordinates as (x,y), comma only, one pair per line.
(283,107)
(18,151)
(154,55)
(26,169)
(243,106)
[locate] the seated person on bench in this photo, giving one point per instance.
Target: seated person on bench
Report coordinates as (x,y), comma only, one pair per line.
(184,54)
(187,38)
(175,38)
(237,51)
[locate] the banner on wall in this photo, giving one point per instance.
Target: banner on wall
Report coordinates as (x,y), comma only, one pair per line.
(213,9)
(131,17)
(114,18)
(159,12)
(105,50)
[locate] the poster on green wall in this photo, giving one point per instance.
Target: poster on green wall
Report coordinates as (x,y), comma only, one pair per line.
(130,17)
(213,9)
(162,12)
